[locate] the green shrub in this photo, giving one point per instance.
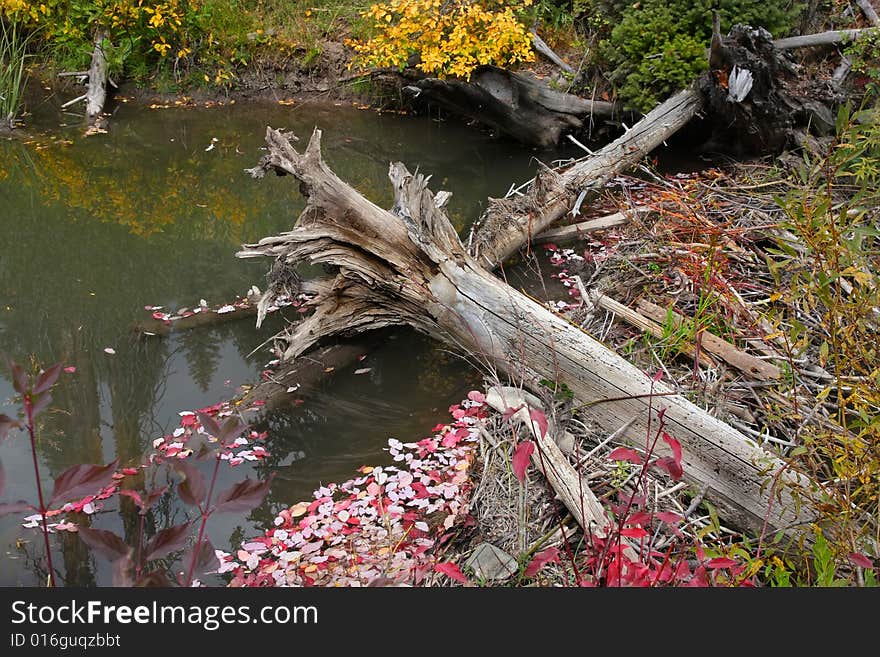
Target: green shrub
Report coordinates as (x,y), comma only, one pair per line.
(653,48)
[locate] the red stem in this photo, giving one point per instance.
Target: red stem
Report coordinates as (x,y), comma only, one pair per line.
(29,410)
(137,564)
(205,514)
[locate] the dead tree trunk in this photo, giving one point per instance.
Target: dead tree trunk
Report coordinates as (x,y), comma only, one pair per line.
(517,105)
(407,266)
(96,95)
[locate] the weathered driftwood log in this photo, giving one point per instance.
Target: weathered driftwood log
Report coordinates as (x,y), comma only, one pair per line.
(830,38)
(541,46)
(407,266)
(96,95)
(515,104)
(869,12)
(507,224)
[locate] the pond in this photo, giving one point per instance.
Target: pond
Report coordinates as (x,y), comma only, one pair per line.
(95,229)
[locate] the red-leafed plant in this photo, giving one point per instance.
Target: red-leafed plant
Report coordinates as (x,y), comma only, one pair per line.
(76,481)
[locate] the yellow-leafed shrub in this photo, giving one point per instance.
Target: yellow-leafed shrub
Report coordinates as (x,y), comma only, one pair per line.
(451,38)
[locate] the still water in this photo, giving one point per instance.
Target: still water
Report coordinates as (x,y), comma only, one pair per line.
(94,229)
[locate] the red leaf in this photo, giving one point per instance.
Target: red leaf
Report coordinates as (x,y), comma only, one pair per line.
(668,517)
(135,497)
(243,496)
(192,489)
(674,445)
(209,424)
(721,562)
(634,532)
(521,458)
(231,430)
(542,558)
(166,541)
(625,454)
(81,480)
(47,379)
(861,560)
(451,570)
(104,542)
(19,379)
(671,466)
(540,419)
(639,519)
(657,376)
(7,423)
(205,558)
(15,507)
(477,396)
(510,412)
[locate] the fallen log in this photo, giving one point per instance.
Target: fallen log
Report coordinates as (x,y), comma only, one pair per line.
(515,104)
(509,223)
(541,46)
(407,266)
(830,38)
(869,12)
(579,230)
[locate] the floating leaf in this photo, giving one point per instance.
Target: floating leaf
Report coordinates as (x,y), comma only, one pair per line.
(243,496)
(109,350)
(625,454)
(521,458)
(541,559)
(540,419)
(81,480)
(451,570)
(104,542)
(192,489)
(166,541)
(47,379)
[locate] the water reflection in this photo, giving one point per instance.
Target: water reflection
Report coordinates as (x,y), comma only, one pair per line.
(94,229)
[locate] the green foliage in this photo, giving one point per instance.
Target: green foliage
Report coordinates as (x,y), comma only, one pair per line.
(866,63)
(832,293)
(654,47)
(13,54)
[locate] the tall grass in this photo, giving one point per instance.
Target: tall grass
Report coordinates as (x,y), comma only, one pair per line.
(13,53)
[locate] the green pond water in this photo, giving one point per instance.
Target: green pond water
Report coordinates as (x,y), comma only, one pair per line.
(94,229)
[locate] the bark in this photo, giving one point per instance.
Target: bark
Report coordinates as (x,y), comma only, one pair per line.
(507,224)
(869,12)
(514,104)
(829,38)
(96,95)
(407,266)
(541,46)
